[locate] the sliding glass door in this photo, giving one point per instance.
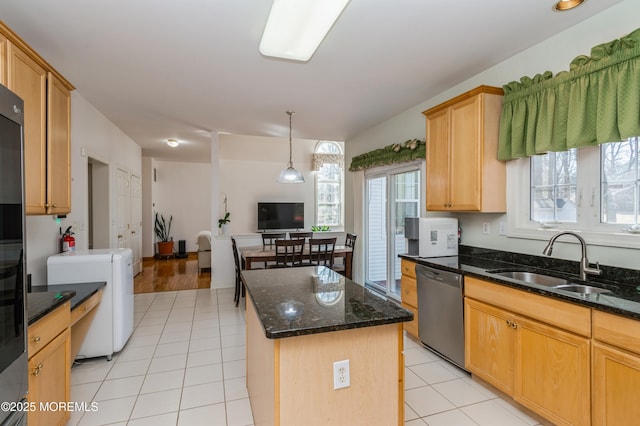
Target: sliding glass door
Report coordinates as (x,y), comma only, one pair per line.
(391,195)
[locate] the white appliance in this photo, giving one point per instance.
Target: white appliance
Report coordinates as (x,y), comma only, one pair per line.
(113,323)
(438,236)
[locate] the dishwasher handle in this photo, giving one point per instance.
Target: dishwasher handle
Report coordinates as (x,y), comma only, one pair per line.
(444,277)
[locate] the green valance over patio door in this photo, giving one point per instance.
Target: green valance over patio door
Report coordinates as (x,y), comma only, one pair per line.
(596,101)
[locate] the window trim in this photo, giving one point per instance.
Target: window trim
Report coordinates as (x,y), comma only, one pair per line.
(316,180)
(588,206)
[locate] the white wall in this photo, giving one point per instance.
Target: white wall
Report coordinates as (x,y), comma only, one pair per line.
(92,135)
(181,190)
(554,54)
(249,167)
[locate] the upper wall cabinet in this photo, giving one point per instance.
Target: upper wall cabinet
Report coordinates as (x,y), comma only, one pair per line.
(47,129)
(463,173)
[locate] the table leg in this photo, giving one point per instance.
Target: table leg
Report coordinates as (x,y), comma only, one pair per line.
(347,265)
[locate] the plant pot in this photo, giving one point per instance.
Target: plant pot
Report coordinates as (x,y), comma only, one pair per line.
(225,229)
(165,247)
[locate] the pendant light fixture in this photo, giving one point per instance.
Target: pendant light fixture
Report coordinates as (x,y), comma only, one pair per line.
(290,175)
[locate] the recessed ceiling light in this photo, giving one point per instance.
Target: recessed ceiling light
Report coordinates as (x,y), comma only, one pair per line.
(173,143)
(564,5)
(295,28)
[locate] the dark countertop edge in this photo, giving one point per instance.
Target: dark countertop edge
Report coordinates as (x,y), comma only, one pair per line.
(340,327)
(480,273)
(43,299)
(48,302)
(82,291)
(408,316)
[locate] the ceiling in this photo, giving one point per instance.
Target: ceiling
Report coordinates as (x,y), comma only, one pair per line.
(163,69)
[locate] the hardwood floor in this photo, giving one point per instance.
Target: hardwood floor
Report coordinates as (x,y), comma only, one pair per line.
(170,275)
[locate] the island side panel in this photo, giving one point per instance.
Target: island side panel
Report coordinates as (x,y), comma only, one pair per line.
(261,370)
(306,377)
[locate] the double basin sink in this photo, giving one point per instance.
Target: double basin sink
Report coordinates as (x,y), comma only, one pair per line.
(550,281)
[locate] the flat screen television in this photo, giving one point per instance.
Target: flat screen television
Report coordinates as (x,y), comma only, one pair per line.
(280,216)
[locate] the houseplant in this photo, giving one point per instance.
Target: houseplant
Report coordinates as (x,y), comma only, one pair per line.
(163,234)
(222,223)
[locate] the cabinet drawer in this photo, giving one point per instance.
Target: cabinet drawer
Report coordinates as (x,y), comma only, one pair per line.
(573,318)
(617,331)
(47,328)
(409,291)
(85,307)
(411,327)
(408,268)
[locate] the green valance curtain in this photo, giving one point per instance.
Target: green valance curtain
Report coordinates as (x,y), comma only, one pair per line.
(412,149)
(596,101)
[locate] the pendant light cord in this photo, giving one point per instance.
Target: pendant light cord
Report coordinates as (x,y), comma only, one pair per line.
(290,145)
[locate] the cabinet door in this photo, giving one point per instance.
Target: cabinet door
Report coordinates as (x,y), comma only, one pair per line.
(438,160)
(616,386)
(3,60)
(409,295)
(465,154)
(58,147)
(49,381)
(553,373)
(28,80)
(489,344)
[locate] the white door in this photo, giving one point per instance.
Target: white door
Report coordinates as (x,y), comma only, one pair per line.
(391,195)
(123,209)
(135,229)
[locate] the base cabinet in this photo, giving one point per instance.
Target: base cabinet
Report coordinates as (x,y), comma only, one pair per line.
(541,366)
(49,368)
(409,295)
(616,370)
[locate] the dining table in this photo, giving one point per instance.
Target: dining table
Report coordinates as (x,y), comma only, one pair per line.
(252,255)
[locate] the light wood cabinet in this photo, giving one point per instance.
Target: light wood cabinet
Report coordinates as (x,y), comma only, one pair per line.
(616,370)
(47,130)
(409,295)
(521,345)
(49,366)
(463,172)
(3,60)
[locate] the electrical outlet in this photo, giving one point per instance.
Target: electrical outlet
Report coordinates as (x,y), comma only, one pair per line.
(503,228)
(486,228)
(341,377)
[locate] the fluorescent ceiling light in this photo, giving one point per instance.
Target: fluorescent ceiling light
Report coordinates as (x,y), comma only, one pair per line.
(295,28)
(173,143)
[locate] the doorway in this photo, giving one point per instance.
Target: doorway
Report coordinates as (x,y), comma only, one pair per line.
(390,195)
(98,200)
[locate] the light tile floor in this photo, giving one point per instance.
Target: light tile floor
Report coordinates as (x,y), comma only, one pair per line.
(185,365)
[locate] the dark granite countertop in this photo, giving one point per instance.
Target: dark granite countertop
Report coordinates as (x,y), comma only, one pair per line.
(315,299)
(44,299)
(40,304)
(624,284)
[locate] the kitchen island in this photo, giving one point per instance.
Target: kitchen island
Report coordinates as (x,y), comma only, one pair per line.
(300,321)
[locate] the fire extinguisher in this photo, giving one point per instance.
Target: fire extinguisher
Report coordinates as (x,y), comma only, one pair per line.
(68,242)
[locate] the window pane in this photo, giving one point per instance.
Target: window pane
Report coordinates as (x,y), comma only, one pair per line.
(620,182)
(553,187)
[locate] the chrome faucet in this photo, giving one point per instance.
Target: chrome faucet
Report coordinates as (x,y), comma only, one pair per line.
(585,269)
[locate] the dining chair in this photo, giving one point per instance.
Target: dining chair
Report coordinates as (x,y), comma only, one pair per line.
(288,253)
(305,235)
(321,251)
(268,240)
(240,291)
(350,241)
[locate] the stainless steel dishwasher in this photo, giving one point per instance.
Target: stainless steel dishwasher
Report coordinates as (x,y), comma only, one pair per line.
(441,312)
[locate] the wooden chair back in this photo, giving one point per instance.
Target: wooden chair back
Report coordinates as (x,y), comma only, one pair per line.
(268,240)
(305,235)
(321,251)
(288,253)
